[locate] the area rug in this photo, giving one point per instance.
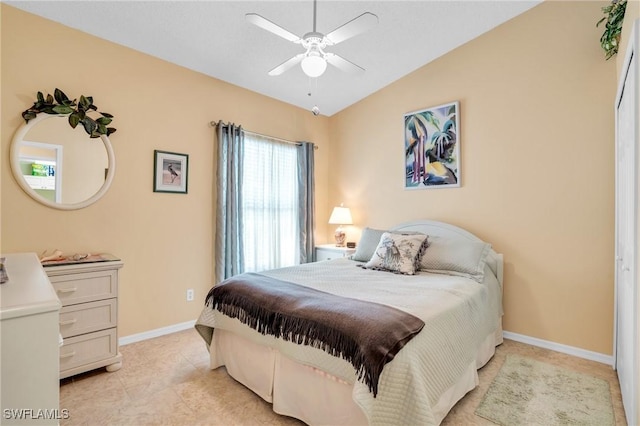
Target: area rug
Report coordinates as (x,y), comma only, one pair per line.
(530,392)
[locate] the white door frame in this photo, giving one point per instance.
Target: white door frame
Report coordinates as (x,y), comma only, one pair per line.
(59,156)
(630,399)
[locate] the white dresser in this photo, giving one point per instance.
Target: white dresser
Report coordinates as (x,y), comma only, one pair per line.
(89,315)
(331,251)
(29,344)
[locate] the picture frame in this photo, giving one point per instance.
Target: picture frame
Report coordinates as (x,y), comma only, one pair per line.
(432,147)
(170,172)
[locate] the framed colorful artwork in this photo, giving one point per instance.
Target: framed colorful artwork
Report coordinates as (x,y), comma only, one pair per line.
(432,147)
(170,172)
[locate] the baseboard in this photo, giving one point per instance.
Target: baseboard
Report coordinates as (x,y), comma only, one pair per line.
(559,347)
(156,333)
(534,341)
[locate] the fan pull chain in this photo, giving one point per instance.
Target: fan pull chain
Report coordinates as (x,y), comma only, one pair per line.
(315,110)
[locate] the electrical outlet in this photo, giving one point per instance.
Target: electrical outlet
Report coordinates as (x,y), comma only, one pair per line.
(190,295)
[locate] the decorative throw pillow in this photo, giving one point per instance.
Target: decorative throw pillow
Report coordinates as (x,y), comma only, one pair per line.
(367,245)
(400,253)
(456,256)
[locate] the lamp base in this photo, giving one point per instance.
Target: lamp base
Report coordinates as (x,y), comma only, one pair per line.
(340,237)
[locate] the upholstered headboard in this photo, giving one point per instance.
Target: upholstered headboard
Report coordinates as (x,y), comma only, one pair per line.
(446,230)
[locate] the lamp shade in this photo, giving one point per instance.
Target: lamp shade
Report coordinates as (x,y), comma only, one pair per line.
(313,65)
(341,216)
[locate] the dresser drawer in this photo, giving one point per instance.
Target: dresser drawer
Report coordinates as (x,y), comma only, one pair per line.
(88,348)
(85,287)
(87,317)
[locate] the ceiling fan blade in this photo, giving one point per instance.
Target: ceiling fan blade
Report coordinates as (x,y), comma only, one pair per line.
(276,29)
(286,65)
(352,28)
(342,64)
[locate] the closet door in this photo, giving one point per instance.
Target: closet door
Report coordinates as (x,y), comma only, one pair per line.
(626,244)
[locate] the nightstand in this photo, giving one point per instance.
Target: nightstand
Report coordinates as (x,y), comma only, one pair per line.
(330,251)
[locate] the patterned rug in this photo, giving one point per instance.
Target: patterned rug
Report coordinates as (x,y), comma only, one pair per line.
(530,392)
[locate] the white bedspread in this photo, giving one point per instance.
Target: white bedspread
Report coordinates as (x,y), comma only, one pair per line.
(459,314)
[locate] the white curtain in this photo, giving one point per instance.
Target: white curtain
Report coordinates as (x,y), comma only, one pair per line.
(269,203)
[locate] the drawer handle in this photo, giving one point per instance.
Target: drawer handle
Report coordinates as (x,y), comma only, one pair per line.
(67,290)
(68,355)
(68,322)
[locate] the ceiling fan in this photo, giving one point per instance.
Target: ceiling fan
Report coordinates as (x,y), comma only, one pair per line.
(314,60)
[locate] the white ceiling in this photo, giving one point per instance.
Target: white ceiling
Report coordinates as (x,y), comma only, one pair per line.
(212,37)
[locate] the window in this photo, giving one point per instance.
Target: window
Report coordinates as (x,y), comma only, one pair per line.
(264,202)
(269,203)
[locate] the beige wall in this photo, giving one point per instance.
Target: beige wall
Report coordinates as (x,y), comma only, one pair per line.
(165,240)
(536,101)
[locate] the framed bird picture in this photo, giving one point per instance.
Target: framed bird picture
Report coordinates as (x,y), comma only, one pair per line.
(170,172)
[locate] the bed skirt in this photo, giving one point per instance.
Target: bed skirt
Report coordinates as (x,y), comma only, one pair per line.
(310,394)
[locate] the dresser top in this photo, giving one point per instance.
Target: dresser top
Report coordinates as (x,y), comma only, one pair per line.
(103,263)
(28,290)
(81,259)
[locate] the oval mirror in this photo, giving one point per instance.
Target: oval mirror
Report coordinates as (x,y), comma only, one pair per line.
(59,166)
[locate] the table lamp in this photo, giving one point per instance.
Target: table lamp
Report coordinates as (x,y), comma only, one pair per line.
(340,216)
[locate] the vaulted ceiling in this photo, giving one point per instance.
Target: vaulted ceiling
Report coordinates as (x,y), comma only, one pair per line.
(214,38)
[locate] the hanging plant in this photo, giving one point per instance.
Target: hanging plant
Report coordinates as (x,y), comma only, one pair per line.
(614,17)
(78,111)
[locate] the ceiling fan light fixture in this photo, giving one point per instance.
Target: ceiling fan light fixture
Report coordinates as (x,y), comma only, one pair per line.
(314,60)
(313,65)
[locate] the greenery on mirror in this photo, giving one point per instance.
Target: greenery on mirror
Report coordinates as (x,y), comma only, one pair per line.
(613,19)
(78,111)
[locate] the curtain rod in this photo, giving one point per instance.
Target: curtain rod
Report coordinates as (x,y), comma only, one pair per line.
(215,124)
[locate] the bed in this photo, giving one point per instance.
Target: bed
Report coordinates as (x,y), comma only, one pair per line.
(456,290)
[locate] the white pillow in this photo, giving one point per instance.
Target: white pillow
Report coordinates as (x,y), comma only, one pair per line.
(456,256)
(400,253)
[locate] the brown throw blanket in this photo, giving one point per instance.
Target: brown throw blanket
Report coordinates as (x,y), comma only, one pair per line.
(366,334)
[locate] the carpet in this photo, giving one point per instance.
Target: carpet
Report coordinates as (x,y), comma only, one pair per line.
(530,392)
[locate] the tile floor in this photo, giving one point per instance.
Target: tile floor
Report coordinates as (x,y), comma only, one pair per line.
(166,381)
